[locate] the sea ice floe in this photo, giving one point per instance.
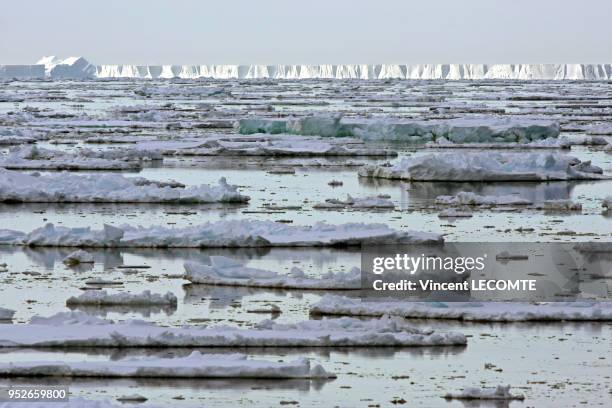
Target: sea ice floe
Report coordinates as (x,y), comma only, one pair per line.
(455,213)
(469,311)
(108,188)
(487,166)
(560,205)
(219,234)
(196,365)
(78,329)
(35,158)
(485,129)
(102,298)
(501,392)
(373,202)
(607,203)
(276,145)
(468,198)
(219,270)
(78,257)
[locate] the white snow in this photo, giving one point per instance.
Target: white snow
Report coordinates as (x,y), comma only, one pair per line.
(220,270)
(500,392)
(108,188)
(224,233)
(196,365)
(487,166)
(372,202)
(78,257)
(67,68)
(77,329)
(484,129)
(469,198)
(469,311)
(102,298)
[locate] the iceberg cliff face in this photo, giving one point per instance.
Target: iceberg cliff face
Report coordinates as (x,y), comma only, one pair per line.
(351,71)
(80,68)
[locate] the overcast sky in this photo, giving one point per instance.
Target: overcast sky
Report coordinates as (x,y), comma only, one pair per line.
(307,31)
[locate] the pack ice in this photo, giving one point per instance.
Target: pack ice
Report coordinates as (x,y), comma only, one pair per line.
(469,311)
(78,329)
(487,166)
(196,365)
(219,270)
(485,129)
(108,188)
(219,234)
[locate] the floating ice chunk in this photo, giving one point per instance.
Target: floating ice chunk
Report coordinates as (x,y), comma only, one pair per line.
(373,202)
(219,234)
(500,392)
(454,213)
(6,314)
(560,205)
(487,167)
(102,298)
(109,188)
(35,158)
(469,311)
(469,198)
(196,365)
(22,71)
(463,130)
(218,272)
(607,203)
(77,329)
(78,257)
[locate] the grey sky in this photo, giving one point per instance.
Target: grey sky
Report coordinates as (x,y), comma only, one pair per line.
(307,31)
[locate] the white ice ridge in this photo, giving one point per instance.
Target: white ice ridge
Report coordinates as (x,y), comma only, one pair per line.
(108,188)
(219,234)
(468,311)
(78,329)
(477,129)
(80,68)
(372,202)
(102,298)
(196,365)
(219,270)
(501,392)
(487,166)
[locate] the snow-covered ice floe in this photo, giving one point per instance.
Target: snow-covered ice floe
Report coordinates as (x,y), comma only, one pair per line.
(35,158)
(373,202)
(219,270)
(469,198)
(102,298)
(487,166)
(219,234)
(78,329)
(484,129)
(469,311)
(196,365)
(108,188)
(277,145)
(501,392)
(6,314)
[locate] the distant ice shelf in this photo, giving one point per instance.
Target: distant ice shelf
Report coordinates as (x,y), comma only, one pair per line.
(79,68)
